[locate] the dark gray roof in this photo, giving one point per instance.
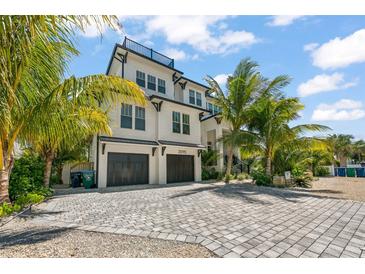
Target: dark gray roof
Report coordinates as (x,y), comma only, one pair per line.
(181,144)
(127,141)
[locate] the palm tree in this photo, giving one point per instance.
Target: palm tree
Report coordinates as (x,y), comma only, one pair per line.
(243,89)
(358,148)
(269,129)
(341,147)
(34,51)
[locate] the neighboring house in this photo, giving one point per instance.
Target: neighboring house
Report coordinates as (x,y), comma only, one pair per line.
(162,142)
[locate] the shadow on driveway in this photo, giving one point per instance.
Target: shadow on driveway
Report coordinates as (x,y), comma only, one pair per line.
(250,193)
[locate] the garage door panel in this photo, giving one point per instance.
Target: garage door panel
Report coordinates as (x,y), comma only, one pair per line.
(127,169)
(180,168)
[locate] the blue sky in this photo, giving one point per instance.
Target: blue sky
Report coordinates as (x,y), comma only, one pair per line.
(324,55)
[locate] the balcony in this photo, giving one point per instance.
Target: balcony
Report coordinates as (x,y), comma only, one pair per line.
(147,52)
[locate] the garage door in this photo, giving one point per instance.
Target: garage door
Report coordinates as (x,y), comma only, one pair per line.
(180,168)
(127,169)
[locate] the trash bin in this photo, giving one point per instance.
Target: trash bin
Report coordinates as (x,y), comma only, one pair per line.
(360,172)
(87,178)
(75,179)
(350,171)
(341,171)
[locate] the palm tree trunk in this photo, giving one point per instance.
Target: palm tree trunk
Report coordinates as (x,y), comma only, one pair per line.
(4,186)
(268,166)
(229,161)
(48,168)
(59,173)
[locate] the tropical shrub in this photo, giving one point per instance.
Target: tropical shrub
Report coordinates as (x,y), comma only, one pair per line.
(243,176)
(21,202)
(321,171)
(209,173)
(261,178)
(27,177)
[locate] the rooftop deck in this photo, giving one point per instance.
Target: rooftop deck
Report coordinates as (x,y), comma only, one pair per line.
(148,52)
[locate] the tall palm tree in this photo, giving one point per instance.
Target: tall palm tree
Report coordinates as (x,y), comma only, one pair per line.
(243,88)
(34,51)
(341,146)
(359,150)
(269,128)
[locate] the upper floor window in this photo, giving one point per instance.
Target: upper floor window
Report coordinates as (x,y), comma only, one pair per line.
(140,121)
(216,109)
(151,82)
(161,86)
(176,123)
(198,98)
(141,78)
(126,116)
(210,107)
(192,97)
(186,123)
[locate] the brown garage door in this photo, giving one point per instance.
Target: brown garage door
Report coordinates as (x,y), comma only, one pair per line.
(180,168)
(127,169)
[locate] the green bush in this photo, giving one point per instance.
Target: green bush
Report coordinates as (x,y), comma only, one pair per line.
(261,179)
(243,176)
(227,178)
(321,171)
(20,203)
(27,176)
(209,173)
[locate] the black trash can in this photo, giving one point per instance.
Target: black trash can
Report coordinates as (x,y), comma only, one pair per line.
(76,179)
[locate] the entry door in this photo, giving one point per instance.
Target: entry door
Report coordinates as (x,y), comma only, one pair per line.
(180,168)
(127,169)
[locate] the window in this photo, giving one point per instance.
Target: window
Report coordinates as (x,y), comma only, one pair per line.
(161,86)
(126,116)
(210,107)
(192,97)
(140,121)
(151,82)
(176,122)
(198,98)
(141,78)
(186,123)
(216,109)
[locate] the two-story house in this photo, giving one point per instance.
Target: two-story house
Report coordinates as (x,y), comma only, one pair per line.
(161,142)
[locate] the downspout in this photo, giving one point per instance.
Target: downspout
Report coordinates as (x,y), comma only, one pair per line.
(97,161)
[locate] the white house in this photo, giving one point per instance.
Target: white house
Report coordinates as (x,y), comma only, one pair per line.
(161,143)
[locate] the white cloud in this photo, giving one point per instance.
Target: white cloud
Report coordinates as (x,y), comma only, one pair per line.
(342,110)
(221,79)
(341,52)
(283,20)
(324,83)
(310,46)
(178,54)
(203,33)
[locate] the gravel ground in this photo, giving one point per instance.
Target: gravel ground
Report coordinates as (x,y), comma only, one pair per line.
(21,239)
(339,187)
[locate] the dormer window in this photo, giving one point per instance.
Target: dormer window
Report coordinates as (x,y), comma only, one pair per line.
(198,99)
(151,82)
(195,98)
(141,78)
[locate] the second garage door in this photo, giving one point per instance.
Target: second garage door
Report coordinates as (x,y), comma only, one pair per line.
(127,169)
(180,168)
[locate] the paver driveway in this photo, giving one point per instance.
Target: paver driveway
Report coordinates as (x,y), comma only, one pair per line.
(232,221)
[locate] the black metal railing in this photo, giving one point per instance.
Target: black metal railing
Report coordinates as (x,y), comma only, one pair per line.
(148,52)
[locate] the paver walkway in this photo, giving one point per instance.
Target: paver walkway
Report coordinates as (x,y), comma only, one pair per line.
(232,221)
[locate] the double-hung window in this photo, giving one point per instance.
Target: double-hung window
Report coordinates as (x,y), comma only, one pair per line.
(141,78)
(210,107)
(151,82)
(176,122)
(126,116)
(198,98)
(216,109)
(192,96)
(186,124)
(140,120)
(161,86)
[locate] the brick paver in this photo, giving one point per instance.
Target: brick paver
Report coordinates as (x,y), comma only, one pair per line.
(233,220)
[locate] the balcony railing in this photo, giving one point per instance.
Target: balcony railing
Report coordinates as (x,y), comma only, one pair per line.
(150,53)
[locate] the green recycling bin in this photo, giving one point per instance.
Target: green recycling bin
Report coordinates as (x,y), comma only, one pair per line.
(87,178)
(351,172)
